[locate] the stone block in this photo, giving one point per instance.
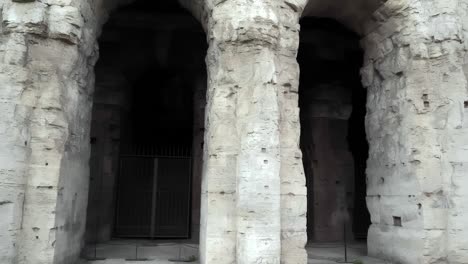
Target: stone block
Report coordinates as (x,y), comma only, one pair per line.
(65,23)
(367,74)
(293,213)
(220,174)
(51,53)
(407,245)
(403,208)
(434,214)
(14,50)
(58,2)
(220,215)
(377,239)
(373,205)
(24,18)
(456,246)
(435,246)
(292,247)
(459,178)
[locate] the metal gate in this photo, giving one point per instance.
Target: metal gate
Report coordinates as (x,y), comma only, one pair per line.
(153,193)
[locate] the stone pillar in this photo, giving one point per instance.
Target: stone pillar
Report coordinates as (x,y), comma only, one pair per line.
(293,182)
(253,191)
(14,142)
(415,71)
(46,56)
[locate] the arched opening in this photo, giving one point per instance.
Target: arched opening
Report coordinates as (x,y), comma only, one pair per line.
(333,139)
(147,134)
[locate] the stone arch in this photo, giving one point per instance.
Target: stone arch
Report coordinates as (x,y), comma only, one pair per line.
(415,71)
(401,73)
(48,53)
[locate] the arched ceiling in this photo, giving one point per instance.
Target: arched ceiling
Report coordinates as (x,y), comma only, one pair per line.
(352,13)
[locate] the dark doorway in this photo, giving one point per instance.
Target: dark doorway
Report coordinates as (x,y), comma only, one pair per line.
(333,140)
(145,115)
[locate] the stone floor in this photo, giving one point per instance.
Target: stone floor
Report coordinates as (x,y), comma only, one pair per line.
(326,253)
(157,252)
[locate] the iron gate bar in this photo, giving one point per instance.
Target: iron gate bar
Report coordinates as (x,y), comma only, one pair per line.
(155,189)
(181,227)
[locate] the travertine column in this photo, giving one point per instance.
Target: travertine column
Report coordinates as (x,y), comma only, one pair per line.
(253,191)
(293,183)
(415,70)
(47,50)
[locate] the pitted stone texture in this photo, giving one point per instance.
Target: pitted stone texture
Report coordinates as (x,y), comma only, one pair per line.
(65,23)
(25,17)
(250,45)
(414,72)
(44,124)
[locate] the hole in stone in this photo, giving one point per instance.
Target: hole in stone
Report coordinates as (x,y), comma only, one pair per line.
(466,104)
(426,104)
(382,180)
(397,221)
(47,164)
(265,161)
(425,97)
(419,206)
(25,143)
(263,150)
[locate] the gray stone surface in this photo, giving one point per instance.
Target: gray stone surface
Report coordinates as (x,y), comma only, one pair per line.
(253,201)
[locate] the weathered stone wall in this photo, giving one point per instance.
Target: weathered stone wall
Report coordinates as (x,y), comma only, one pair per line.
(324,144)
(417,130)
(110,110)
(253,191)
(47,51)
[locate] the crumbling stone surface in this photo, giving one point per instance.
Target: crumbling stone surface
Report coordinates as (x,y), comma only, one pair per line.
(253,204)
(414,71)
(253,192)
(46,57)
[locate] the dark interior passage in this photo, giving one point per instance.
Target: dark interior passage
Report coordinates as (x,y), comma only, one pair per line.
(333,140)
(147,118)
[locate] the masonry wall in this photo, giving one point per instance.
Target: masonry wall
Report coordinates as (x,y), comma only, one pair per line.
(416,126)
(110,110)
(328,158)
(253,188)
(47,53)
(253,180)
